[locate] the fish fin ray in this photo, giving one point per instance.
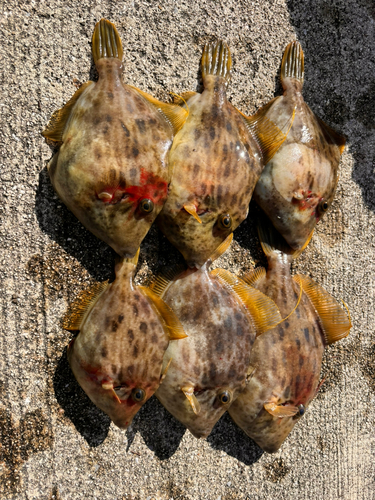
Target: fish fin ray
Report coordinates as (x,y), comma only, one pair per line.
(222,248)
(280,410)
(106,41)
(292,64)
(335,322)
(216,60)
(164,372)
(194,403)
(181,99)
(252,277)
(161,282)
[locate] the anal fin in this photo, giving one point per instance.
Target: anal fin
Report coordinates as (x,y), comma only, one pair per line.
(161,282)
(252,277)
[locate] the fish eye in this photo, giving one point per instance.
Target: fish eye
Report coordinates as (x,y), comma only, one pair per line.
(225,397)
(225,221)
(138,395)
(146,206)
(301,410)
(323,206)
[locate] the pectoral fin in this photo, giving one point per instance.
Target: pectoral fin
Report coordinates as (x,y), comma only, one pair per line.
(280,411)
(80,308)
(189,393)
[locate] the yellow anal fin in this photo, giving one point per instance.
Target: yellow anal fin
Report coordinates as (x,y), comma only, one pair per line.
(292,65)
(280,411)
(335,322)
(181,99)
(332,136)
(216,60)
(263,310)
(82,305)
(174,114)
(267,135)
(252,277)
(106,41)
(222,248)
(194,403)
(55,129)
(172,324)
(192,210)
(162,281)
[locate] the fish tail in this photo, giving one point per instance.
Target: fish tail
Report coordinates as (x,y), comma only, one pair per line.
(216,60)
(292,65)
(106,41)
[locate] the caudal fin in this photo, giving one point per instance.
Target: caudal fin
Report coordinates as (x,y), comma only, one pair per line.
(216,60)
(292,65)
(106,41)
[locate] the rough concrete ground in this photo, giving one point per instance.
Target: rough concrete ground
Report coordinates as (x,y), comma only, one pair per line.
(54,443)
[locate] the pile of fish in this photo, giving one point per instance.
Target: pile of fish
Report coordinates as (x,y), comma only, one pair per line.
(203,341)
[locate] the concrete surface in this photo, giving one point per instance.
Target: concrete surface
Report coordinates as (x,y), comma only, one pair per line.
(54,443)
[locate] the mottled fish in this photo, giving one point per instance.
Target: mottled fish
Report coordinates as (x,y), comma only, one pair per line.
(111,169)
(298,184)
(124,331)
(216,160)
(285,362)
(207,370)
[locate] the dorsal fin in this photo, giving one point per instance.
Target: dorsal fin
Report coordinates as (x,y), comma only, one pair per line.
(56,126)
(267,135)
(216,60)
(181,99)
(254,276)
(174,114)
(194,403)
(262,309)
(171,323)
(292,65)
(280,410)
(161,282)
(82,305)
(106,41)
(334,320)
(222,248)
(331,135)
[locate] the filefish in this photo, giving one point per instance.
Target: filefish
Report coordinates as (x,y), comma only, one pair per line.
(124,331)
(208,369)
(111,169)
(285,361)
(298,184)
(216,159)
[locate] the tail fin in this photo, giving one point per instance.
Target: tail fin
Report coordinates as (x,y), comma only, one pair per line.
(292,65)
(216,60)
(106,41)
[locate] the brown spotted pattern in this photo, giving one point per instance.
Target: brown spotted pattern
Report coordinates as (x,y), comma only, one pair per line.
(214,358)
(298,184)
(215,164)
(115,142)
(286,361)
(121,344)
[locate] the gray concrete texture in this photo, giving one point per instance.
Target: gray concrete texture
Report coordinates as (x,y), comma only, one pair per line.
(55,444)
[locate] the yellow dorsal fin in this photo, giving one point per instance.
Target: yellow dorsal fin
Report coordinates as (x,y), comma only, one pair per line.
(106,41)
(222,248)
(262,309)
(267,135)
(254,276)
(292,65)
(172,325)
(216,60)
(174,114)
(280,411)
(332,136)
(58,121)
(181,99)
(189,393)
(192,210)
(82,305)
(334,320)
(161,282)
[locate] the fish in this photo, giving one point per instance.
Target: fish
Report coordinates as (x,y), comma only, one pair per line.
(111,169)
(124,331)
(207,370)
(216,159)
(298,184)
(285,361)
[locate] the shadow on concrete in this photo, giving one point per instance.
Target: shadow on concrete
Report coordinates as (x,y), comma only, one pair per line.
(89,421)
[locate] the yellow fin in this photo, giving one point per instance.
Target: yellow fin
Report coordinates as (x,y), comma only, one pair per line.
(192,210)
(161,282)
(267,135)
(181,99)
(272,241)
(171,323)
(292,65)
(252,277)
(332,136)
(55,128)
(189,393)
(106,41)
(334,320)
(216,60)
(174,114)
(164,373)
(280,411)
(222,248)
(262,309)
(80,308)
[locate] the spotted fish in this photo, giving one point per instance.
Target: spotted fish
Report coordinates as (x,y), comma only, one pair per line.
(285,362)
(298,184)
(124,331)
(216,159)
(207,370)
(111,169)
